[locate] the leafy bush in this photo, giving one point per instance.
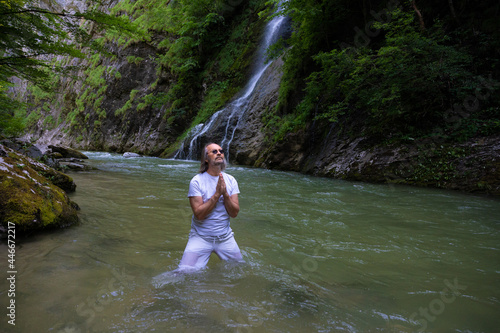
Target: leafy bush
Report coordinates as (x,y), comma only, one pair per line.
(401,89)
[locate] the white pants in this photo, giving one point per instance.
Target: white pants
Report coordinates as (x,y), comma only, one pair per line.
(198,251)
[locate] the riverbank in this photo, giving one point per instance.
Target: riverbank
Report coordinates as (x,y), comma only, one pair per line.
(33,190)
(29,199)
(472,166)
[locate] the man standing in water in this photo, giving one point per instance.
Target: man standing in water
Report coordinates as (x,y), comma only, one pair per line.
(213,195)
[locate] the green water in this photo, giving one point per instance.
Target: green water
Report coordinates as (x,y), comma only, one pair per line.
(321,255)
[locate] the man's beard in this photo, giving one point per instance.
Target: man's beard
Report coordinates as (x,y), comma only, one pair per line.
(220,162)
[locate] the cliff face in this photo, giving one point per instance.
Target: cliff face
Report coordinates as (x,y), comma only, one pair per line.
(239,127)
(473,166)
(145,131)
(318,148)
(144,96)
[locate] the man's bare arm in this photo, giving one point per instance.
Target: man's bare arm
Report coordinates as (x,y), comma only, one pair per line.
(232,204)
(202,209)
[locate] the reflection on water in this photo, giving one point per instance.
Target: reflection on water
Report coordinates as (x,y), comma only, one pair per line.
(321,255)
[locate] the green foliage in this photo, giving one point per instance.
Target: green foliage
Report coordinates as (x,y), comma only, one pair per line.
(437,165)
(127,105)
(28,32)
(88,104)
(194,25)
(33,117)
(401,88)
(316,24)
(218,95)
(32,38)
(134,60)
(49,122)
(205,46)
(146,101)
(12,114)
(277,127)
(401,82)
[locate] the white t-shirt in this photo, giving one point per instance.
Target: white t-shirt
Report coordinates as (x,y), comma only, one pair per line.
(217,221)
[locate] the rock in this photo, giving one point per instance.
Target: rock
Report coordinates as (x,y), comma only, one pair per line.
(128,154)
(29,198)
(55,155)
(76,166)
(67,152)
(23,147)
(33,152)
(12,144)
(51,161)
(248,141)
(48,171)
(71,160)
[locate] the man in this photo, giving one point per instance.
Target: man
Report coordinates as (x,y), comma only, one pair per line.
(213,195)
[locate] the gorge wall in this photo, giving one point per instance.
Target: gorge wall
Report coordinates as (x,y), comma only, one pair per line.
(144,131)
(120,124)
(145,92)
(472,166)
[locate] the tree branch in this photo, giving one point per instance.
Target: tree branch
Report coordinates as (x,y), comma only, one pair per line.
(40,11)
(419,14)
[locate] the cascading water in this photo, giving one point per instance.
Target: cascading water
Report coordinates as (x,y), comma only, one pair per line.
(229,117)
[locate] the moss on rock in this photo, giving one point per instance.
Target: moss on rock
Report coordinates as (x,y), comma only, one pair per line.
(29,199)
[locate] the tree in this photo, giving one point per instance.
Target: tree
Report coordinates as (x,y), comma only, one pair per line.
(31,36)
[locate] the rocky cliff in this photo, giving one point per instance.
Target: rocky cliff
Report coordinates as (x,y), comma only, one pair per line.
(472,166)
(104,128)
(106,112)
(130,100)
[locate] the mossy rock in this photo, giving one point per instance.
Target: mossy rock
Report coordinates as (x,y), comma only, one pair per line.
(30,200)
(67,152)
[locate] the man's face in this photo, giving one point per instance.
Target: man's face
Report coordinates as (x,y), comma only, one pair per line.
(214,155)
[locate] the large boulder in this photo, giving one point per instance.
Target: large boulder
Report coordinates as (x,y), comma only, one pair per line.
(51,172)
(67,152)
(29,198)
(67,158)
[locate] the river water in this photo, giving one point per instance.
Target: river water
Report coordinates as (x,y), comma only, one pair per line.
(321,255)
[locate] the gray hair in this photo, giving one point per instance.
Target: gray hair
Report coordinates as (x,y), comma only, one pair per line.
(204,157)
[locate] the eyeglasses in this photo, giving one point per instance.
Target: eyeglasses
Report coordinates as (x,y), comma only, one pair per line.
(217,150)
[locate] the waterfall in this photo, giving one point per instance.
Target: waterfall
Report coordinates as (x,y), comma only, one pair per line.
(234,110)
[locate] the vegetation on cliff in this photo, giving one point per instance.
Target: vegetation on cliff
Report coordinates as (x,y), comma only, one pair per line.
(392,70)
(184,61)
(32,37)
(204,48)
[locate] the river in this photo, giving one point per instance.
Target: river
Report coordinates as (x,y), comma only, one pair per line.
(321,255)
